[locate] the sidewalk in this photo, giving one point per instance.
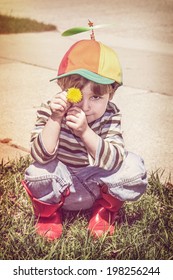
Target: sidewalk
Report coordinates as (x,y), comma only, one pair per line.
(28,61)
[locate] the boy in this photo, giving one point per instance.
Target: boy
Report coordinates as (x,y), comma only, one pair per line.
(80,158)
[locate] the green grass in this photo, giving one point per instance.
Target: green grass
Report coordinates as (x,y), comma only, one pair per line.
(10,24)
(144,230)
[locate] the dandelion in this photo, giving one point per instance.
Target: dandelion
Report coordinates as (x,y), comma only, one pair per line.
(74,95)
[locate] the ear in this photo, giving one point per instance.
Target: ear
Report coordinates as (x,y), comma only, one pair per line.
(111,96)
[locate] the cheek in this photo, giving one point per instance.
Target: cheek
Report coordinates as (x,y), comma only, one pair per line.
(100,108)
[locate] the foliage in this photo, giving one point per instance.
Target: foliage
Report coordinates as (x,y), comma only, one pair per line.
(10,24)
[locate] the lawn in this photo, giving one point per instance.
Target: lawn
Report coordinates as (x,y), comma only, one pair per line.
(143,231)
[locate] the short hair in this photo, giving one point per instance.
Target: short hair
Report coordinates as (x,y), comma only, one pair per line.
(79,82)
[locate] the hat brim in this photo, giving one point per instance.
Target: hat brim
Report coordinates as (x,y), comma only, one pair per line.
(88,75)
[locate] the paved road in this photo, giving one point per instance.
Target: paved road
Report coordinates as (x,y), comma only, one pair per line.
(142,34)
(28,61)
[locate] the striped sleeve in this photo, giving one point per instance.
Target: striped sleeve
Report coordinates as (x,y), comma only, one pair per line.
(110,151)
(38,151)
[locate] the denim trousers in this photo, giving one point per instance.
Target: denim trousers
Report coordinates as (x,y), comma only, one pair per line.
(48,182)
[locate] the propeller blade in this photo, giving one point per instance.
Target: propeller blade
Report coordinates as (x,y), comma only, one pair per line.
(75,30)
(80,29)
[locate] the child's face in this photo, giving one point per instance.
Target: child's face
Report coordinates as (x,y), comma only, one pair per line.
(93,105)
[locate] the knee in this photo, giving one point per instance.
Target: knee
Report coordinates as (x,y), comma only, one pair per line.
(130,182)
(37,169)
(133,165)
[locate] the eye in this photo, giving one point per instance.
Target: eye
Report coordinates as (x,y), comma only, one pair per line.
(95,97)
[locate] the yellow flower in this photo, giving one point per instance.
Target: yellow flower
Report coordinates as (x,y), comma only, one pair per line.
(74,95)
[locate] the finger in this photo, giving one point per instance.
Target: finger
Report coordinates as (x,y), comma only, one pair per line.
(58,102)
(74,112)
(75,109)
(71,125)
(71,118)
(61,96)
(59,107)
(62,93)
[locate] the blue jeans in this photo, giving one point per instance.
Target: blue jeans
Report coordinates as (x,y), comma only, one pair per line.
(48,182)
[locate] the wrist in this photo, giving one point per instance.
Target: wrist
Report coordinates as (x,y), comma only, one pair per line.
(56,117)
(85,133)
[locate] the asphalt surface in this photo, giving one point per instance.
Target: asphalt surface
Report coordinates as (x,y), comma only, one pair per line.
(28,61)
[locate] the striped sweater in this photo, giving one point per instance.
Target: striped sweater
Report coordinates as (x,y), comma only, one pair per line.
(71,150)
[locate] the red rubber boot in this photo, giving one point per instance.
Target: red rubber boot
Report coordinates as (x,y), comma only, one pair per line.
(49,222)
(105,211)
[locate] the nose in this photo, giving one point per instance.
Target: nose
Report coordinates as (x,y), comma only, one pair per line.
(84,105)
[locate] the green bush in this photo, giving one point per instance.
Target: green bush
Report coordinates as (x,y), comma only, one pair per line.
(10,24)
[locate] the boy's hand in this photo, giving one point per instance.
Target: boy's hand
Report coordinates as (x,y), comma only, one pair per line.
(59,105)
(77,121)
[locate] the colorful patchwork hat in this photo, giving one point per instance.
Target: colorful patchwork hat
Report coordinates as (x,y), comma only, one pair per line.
(92,60)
